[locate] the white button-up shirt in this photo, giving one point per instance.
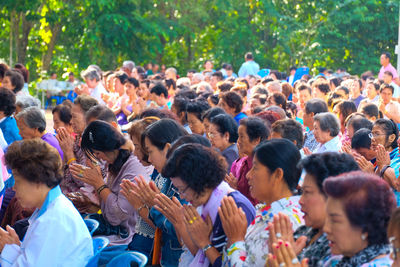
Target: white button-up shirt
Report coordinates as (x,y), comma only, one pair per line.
(57,236)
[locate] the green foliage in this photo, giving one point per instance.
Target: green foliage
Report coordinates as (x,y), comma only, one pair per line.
(184,33)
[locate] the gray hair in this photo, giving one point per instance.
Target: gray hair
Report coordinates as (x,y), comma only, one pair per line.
(274,86)
(328,122)
(172,69)
(33,117)
(128,64)
(281,112)
(204,87)
(198,77)
(91,73)
(26,101)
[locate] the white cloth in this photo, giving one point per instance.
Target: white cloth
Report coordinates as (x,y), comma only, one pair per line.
(57,236)
(332,145)
(3,143)
(97,92)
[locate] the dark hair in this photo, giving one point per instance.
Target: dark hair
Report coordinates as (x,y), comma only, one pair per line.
(233,100)
(359,122)
(219,75)
(101,113)
(323,165)
(36,161)
(225,86)
(386,86)
(198,166)
(212,112)
(180,104)
(85,102)
(343,88)
(170,82)
(346,108)
(214,99)
(64,113)
(197,107)
(3,69)
(390,127)
(255,128)
(162,132)
(316,106)
(100,135)
(132,81)
(279,99)
(226,124)
(249,55)
(280,153)
(7,101)
(361,139)
(16,79)
(370,110)
(289,129)
(159,89)
(368,202)
(304,86)
(159,113)
(188,139)
(269,116)
(23,71)
(335,81)
(387,55)
(323,86)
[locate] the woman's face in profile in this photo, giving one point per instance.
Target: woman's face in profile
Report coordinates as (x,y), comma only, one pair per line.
(25,192)
(344,238)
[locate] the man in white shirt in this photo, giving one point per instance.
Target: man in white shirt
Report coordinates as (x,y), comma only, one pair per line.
(389,108)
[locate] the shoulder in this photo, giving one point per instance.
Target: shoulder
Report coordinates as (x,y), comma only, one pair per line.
(242,202)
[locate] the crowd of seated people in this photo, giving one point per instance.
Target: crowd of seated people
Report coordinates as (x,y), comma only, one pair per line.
(202,169)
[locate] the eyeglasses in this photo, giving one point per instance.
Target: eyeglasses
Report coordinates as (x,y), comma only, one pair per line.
(374,135)
(393,248)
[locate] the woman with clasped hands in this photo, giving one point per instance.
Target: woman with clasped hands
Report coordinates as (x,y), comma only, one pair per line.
(273,180)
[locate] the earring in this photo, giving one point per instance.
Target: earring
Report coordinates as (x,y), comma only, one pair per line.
(363,237)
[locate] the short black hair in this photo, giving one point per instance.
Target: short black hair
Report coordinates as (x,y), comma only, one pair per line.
(198,166)
(121,76)
(188,139)
(371,110)
(197,107)
(304,86)
(219,75)
(226,124)
(343,88)
(387,54)
(386,86)
(162,132)
(316,106)
(324,165)
(280,153)
(159,89)
(64,113)
(289,129)
(255,128)
(16,79)
(249,55)
(212,112)
(7,101)
(361,139)
(132,81)
(233,100)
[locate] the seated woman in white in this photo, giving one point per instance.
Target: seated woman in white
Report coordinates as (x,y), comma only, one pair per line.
(57,234)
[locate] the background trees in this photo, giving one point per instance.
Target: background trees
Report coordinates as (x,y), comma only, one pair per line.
(68,35)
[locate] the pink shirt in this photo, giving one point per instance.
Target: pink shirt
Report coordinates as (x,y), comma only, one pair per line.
(390,68)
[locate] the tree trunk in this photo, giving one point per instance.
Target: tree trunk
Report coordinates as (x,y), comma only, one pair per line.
(22,43)
(46,60)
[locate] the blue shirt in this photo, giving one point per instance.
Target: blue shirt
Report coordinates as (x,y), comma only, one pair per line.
(57,236)
(10,130)
(240,116)
(248,68)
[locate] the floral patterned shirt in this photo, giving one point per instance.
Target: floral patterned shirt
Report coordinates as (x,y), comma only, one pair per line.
(253,251)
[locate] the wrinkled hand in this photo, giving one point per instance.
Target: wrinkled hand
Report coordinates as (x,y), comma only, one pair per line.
(346,148)
(363,163)
(382,156)
(233,220)
(281,228)
(8,237)
(231,180)
(284,255)
(198,229)
(127,190)
(145,191)
(90,175)
(170,208)
(66,141)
